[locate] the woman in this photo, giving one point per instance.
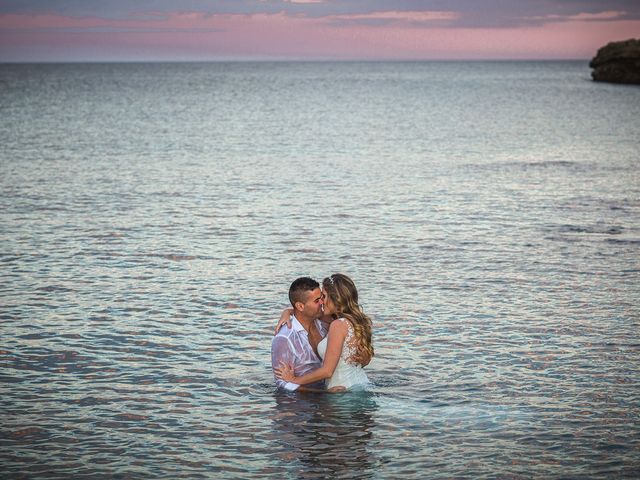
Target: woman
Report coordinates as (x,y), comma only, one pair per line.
(347,347)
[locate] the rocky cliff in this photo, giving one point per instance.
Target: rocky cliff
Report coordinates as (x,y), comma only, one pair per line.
(617,62)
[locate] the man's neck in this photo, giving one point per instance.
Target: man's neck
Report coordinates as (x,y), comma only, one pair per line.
(304,320)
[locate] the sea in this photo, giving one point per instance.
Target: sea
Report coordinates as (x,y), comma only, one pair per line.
(153,216)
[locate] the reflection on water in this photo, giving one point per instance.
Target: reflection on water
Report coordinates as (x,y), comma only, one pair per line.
(153,216)
(326,436)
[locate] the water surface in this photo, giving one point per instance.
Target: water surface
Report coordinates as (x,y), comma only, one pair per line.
(152,217)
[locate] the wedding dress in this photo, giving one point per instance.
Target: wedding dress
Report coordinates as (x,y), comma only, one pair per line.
(347,374)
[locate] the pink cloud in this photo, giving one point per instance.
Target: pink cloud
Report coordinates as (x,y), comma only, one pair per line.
(159,21)
(189,35)
(597,16)
(404,16)
(601,16)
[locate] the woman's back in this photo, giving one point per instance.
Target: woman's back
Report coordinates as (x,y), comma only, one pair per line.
(347,374)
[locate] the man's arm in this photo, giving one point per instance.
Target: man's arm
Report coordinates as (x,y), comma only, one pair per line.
(282,352)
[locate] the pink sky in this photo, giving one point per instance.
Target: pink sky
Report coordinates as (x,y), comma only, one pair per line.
(385,34)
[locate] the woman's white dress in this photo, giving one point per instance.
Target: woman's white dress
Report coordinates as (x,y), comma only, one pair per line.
(347,374)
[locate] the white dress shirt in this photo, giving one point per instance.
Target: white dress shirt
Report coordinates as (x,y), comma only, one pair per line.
(291,346)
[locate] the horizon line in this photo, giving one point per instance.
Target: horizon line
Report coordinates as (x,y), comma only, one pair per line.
(295,60)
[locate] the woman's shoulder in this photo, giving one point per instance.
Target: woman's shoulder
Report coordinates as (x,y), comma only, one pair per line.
(339,325)
(348,324)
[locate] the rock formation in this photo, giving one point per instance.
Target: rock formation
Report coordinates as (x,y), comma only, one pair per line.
(617,62)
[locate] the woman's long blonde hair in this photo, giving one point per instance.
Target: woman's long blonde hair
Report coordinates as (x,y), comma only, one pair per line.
(344,295)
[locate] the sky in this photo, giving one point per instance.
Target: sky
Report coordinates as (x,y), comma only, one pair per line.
(204,30)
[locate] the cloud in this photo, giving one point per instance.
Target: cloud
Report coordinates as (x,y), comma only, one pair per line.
(581,17)
(407,18)
(610,15)
(198,21)
(403,29)
(469,13)
(163,19)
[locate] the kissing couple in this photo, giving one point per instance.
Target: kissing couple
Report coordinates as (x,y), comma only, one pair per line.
(324,336)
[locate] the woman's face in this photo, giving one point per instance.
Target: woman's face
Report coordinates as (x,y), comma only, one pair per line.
(329,307)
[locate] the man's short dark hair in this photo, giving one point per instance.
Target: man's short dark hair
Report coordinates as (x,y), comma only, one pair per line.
(299,287)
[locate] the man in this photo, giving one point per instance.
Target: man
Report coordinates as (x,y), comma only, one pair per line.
(295,345)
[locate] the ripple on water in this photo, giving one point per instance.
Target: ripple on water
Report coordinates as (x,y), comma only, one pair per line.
(147,251)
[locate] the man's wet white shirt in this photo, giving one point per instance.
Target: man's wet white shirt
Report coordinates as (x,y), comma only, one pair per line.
(291,346)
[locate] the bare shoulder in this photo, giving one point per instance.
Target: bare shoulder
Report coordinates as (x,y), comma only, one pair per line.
(339,326)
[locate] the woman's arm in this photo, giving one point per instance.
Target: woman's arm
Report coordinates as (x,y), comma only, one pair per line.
(285,317)
(335,341)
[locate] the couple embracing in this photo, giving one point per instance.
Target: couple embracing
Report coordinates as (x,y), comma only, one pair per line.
(325,336)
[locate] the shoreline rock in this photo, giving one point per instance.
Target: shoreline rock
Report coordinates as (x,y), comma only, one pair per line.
(617,62)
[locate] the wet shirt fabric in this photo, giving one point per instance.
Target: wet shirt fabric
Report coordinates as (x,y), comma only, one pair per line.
(291,346)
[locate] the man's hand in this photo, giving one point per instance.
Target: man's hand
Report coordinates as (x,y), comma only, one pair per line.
(337,389)
(285,372)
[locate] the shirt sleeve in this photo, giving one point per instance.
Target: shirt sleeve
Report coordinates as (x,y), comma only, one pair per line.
(282,351)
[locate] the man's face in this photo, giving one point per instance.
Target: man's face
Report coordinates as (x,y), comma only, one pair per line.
(313,303)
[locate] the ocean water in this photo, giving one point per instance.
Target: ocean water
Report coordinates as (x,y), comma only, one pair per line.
(152,217)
